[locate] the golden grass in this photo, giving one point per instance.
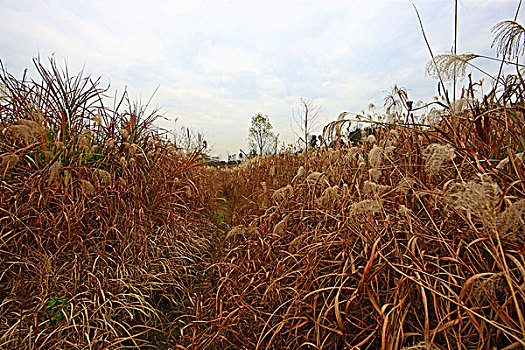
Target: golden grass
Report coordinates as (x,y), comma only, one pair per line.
(411,238)
(420,259)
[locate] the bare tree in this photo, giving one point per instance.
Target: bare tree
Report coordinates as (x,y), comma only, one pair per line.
(306,119)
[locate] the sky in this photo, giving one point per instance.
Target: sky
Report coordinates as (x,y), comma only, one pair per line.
(217,63)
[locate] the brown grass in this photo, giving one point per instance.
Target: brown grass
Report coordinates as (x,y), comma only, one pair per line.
(346,262)
(111,238)
(94,254)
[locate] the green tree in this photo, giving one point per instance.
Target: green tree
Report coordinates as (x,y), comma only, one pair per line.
(261,137)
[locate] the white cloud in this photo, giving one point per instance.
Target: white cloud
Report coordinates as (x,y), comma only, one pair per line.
(220,62)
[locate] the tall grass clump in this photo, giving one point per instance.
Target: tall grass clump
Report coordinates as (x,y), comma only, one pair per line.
(99,238)
(412,238)
(403,235)
(420,256)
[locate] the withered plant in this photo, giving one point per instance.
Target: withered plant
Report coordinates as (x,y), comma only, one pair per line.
(99,237)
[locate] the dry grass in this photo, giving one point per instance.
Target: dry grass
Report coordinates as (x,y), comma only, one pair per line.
(411,238)
(95,253)
(425,256)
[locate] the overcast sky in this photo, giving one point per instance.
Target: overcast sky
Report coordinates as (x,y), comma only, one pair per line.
(220,62)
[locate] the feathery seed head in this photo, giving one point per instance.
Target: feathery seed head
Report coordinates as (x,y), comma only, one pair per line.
(280,227)
(489,287)
(329,196)
(236,231)
(375,173)
(29,123)
(403,210)
(437,155)
(371,139)
(393,135)
(317,178)
(461,105)
(508,39)
(389,151)
(366,207)
(54,172)
(512,221)
(448,66)
(405,185)
(434,117)
(86,187)
(345,189)
(477,197)
(88,133)
(8,162)
(103,176)
(110,143)
(519,157)
(84,142)
(124,133)
(97,118)
(26,131)
(4,94)
(123,162)
(35,113)
(502,163)
(283,193)
(300,171)
(314,177)
(375,157)
(374,189)
(391,118)
(132,148)
(353,152)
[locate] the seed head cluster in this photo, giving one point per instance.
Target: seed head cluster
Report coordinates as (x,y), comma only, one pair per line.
(8,162)
(283,194)
(477,197)
(328,197)
(512,221)
(366,207)
(437,156)
(375,156)
(371,188)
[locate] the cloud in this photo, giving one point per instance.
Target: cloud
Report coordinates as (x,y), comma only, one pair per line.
(220,62)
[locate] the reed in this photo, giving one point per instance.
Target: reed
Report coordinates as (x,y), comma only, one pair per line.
(403,236)
(94,253)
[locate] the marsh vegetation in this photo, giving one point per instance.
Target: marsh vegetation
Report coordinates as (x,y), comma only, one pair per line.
(407,234)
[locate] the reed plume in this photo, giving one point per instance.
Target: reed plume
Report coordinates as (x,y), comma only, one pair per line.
(509,39)
(8,161)
(449,66)
(437,156)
